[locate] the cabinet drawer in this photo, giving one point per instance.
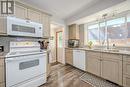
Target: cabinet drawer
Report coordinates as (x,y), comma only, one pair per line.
(113,56)
(126,68)
(126,58)
(1,74)
(1,62)
(2,84)
(126,81)
(90,53)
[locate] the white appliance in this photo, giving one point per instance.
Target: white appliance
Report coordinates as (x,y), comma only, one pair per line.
(79,59)
(25,65)
(20,27)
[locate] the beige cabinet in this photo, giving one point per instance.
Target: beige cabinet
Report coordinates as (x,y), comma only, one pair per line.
(46,25)
(2,26)
(126,71)
(2,73)
(73,31)
(24,12)
(111,67)
(20,11)
(69,56)
(34,15)
(93,63)
(2,84)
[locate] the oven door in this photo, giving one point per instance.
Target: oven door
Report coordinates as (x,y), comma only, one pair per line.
(23,68)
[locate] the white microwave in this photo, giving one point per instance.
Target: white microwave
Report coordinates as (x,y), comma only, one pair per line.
(20,27)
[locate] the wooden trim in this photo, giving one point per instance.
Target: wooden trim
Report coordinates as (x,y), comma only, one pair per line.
(57,45)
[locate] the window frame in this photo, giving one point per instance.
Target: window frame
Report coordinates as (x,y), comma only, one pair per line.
(121,15)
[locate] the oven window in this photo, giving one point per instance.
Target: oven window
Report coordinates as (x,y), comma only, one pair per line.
(28,64)
(23,28)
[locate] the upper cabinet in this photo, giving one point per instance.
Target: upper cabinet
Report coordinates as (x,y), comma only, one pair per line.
(46,25)
(20,11)
(34,15)
(74,31)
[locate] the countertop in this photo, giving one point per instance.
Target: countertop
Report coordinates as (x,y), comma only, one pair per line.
(122,52)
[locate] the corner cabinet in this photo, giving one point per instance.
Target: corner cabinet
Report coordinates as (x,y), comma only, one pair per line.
(111,67)
(73,31)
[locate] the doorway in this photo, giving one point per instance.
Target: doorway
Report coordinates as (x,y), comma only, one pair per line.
(59,46)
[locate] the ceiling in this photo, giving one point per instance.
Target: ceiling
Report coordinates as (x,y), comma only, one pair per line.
(61,8)
(71,9)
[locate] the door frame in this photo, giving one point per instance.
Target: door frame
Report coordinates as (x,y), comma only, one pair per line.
(57,45)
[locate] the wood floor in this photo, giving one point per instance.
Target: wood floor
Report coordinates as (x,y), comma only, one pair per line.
(65,76)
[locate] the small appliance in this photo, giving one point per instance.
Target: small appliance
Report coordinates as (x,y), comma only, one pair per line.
(73,43)
(20,27)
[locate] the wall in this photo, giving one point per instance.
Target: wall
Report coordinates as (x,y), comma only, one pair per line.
(122,7)
(87,11)
(53,44)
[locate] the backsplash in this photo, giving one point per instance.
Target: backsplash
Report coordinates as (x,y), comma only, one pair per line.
(5,41)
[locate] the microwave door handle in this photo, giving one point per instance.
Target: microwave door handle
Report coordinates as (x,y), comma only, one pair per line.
(9,60)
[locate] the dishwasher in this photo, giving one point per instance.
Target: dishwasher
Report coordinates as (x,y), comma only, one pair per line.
(79,59)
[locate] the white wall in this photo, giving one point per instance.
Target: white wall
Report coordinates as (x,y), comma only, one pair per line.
(53,43)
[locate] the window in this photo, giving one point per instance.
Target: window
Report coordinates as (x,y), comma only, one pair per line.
(114,31)
(93,33)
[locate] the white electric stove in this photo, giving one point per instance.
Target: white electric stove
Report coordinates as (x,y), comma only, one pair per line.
(25,65)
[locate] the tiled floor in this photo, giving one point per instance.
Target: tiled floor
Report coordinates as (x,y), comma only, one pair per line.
(65,76)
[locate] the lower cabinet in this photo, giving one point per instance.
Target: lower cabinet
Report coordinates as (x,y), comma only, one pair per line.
(126,81)
(69,56)
(93,65)
(112,70)
(105,65)
(2,84)
(126,71)
(93,62)
(2,73)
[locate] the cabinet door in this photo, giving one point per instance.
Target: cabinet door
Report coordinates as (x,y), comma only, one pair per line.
(74,31)
(126,81)
(69,56)
(20,12)
(2,70)
(3,29)
(34,15)
(93,65)
(126,68)
(112,70)
(46,25)
(2,84)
